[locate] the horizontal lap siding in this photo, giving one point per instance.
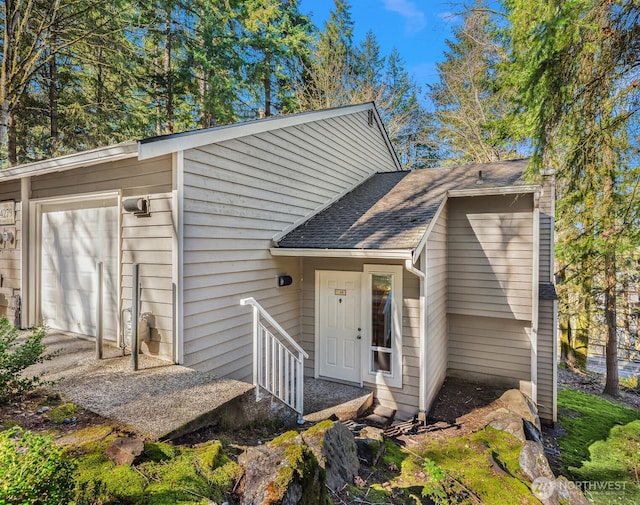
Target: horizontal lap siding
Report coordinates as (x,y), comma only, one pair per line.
(437,321)
(404,399)
(546,312)
(148,241)
(10,264)
(238,194)
(490,250)
(130,176)
(545,360)
(489,346)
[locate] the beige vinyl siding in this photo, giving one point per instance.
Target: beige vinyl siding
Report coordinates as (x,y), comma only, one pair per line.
(489,347)
(404,400)
(490,244)
(130,176)
(148,241)
(10,262)
(436,320)
(238,194)
(545,360)
(546,311)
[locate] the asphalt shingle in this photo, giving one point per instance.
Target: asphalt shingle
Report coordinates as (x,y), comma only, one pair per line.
(393,210)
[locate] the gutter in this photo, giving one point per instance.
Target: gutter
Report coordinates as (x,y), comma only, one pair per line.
(71,161)
(422,414)
(390,254)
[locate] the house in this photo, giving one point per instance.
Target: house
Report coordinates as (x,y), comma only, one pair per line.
(382,277)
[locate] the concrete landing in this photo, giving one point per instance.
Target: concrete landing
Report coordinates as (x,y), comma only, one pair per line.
(159,401)
(324,399)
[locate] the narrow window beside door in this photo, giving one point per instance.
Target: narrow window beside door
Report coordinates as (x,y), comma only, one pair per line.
(381,322)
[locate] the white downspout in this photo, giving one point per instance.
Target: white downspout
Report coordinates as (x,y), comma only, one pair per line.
(422,414)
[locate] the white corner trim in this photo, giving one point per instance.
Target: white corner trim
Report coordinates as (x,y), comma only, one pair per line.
(177,212)
(150,148)
(397,254)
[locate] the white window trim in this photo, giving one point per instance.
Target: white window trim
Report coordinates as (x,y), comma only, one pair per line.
(393,379)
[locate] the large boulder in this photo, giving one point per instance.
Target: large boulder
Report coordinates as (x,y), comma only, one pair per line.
(533,461)
(297,469)
(335,449)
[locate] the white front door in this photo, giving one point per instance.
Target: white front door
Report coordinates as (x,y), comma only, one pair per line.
(339,324)
(74,237)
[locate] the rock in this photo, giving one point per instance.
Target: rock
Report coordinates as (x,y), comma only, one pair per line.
(370,444)
(124,451)
(568,493)
(504,420)
(284,471)
(378,421)
(514,401)
(533,462)
(531,431)
(335,449)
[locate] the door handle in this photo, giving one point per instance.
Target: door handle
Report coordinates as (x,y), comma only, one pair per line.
(358,337)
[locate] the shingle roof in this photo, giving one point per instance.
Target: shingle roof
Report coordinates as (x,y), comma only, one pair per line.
(393,210)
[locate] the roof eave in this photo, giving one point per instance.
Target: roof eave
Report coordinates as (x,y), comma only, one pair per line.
(159,146)
(398,254)
(71,161)
(494,191)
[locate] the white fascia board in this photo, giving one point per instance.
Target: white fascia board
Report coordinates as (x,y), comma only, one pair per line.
(160,146)
(425,237)
(71,161)
(398,254)
(480,191)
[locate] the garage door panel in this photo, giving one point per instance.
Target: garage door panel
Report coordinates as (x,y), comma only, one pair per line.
(75,236)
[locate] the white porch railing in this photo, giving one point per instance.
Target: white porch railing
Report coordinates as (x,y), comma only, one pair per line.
(278,360)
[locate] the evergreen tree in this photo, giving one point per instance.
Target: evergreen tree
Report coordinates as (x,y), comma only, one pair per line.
(471,104)
(575,65)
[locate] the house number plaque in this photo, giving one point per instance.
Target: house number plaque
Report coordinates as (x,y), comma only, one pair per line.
(340,292)
(8,212)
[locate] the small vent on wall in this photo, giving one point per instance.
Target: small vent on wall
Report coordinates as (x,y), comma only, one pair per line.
(370,118)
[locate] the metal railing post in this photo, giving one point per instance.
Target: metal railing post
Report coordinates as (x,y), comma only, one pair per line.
(300,388)
(99,309)
(135,308)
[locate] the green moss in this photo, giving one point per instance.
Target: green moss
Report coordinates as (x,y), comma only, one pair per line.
(62,412)
(284,439)
(300,465)
(165,475)
(438,470)
(321,427)
(587,419)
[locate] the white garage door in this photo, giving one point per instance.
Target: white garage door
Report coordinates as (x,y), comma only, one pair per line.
(74,237)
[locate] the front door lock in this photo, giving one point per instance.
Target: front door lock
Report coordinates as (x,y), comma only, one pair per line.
(359,337)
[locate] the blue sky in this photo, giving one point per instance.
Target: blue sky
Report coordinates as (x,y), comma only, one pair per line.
(417,28)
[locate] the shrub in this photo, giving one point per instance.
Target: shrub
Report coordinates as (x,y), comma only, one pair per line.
(33,470)
(16,356)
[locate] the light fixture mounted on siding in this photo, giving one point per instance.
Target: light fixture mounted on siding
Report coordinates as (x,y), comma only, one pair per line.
(139,207)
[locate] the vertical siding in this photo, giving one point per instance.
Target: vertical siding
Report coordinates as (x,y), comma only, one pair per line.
(238,194)
(148,241)
(489,347)
(436,321)
(404,400)
(490,256)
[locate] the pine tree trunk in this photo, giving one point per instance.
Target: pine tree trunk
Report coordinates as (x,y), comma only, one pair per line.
(612,383)
(267,85)
(168,127)
(54,135)
(12,140)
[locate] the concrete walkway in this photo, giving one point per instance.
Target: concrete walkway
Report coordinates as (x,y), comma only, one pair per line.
(162,400)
